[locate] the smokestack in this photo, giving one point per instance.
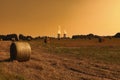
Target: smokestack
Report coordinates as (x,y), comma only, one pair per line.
(59,32)
(58,36)
(65,33)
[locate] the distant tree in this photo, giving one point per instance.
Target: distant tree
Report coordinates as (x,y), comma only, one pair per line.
(21,37)
(3,37)
(76,36)
(117,35)
(29,38)
(90,36)
(12,37)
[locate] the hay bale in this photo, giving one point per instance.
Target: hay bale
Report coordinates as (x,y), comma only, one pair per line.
(100,40)
(46,40)
(20,51)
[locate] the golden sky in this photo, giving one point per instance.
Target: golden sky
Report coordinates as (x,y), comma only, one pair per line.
(42,17)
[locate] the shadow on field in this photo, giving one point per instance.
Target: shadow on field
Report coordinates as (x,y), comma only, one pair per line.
(5,60)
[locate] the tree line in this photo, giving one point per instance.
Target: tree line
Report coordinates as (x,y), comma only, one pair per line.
(16,37)
(90,36)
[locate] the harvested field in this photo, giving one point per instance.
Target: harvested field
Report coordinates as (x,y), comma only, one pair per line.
(64,60)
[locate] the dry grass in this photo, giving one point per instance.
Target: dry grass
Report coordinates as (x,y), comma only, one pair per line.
(64,60)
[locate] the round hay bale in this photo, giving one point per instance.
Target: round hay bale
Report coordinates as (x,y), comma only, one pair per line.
(46,40)
(20,51)
(100,40)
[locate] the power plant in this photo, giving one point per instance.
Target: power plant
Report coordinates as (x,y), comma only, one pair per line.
(65,33)
(59,33)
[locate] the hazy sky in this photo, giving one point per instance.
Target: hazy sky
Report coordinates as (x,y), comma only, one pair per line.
(42,17)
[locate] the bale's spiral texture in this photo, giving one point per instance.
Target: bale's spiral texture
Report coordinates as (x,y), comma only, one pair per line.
(20,51)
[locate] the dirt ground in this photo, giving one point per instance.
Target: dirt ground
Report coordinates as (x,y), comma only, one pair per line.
(48,66)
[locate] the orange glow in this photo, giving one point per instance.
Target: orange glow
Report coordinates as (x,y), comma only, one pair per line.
(42,17)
